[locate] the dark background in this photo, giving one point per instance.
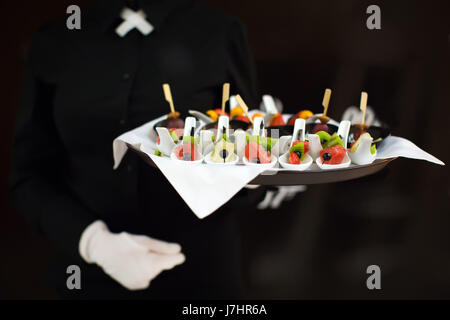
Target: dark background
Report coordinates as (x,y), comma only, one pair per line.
(320,244)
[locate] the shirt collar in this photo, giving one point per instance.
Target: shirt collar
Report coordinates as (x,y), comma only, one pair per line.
(106,13)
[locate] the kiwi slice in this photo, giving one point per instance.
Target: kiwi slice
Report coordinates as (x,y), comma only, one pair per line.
(174,136)
(324,136)
(334,140)
(373,149)
(158,153)
(252,139)
(299,149)
(268,143)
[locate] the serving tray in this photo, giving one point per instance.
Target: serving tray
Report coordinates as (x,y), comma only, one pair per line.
(314,175)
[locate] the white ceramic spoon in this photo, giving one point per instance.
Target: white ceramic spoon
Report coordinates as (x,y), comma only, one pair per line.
(344,164)
(189,127)
(223,123)
(362,155)
(314,141)
(298,134)
(205,144)
(166,143)
(272,163)
(258,127)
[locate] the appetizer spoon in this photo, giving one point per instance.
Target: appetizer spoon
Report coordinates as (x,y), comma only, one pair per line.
(166,143)
(298,135)
(362,155)
(222,129)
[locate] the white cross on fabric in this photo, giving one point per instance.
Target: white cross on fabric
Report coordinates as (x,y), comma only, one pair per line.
(133,19)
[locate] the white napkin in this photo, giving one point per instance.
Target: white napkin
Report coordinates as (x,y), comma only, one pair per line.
(204,188)
(394,146)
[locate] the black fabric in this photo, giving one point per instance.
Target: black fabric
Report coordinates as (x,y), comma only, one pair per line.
(85,87)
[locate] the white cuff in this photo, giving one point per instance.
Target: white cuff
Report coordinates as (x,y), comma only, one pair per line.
(88,238)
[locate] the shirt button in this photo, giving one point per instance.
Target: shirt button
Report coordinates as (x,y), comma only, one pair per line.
(126,76)
(122,122)
(130,168)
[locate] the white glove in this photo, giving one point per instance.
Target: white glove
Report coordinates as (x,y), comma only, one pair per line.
(273,199)
(131,260)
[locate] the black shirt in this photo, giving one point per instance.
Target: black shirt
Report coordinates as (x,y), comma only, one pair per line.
(82,89)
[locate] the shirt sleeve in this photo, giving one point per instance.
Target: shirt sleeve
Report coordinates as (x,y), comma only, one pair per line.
(37,157)
(241,66)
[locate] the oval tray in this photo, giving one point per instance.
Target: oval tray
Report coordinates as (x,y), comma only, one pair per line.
(312,176)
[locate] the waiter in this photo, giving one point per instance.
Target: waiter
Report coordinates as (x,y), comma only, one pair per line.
(128,230)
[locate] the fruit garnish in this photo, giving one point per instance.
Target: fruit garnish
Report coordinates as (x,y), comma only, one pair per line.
(236,112)
(263,155)
(332,155)
(299,149)
(158,153)
(373,149)
(251,150)
(305,114)
(213,115)
(277,120)
(320,127)
(242,118)
(187,151)
(294,158)
(220,112)
(305,144)
(267,143)
(334,140)
(256,153)
(324,136)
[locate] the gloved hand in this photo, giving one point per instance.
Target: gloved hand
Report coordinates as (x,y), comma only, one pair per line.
(131,260)
(274,198)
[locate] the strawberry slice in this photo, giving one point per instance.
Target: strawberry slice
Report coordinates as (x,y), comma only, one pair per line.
(306,144)
(251,150)
(293,158)
(263,155)
(333,155)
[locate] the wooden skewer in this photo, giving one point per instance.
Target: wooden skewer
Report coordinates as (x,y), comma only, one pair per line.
(225,95)
(244,107)
(325,102)
(363,106)
(168,96)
